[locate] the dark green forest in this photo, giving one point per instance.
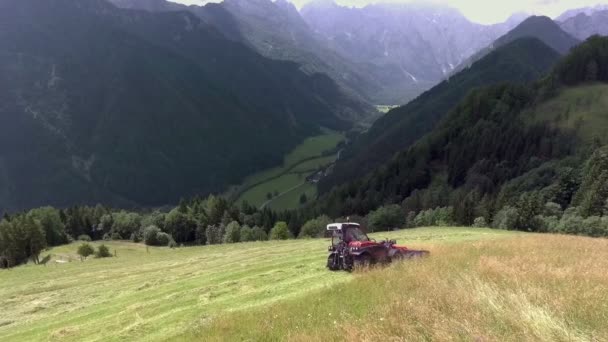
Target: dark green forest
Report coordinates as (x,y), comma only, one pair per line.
(133,108)
(520,61)
(494,159)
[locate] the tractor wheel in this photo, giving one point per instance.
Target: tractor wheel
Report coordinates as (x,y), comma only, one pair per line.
(362,262)
(332,265)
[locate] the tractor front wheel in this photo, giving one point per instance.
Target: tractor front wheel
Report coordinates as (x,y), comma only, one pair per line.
(332,263)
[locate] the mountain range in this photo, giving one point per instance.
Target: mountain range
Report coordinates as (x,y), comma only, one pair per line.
(586,24)
(407,48)
(131,107)
(142,102)
(379,54)
(508,59)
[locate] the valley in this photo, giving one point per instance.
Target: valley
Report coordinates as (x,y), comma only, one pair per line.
(169,171)
(287,184)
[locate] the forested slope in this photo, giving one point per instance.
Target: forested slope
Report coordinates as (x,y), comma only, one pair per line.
(520,61)
(506,154)
(129,107)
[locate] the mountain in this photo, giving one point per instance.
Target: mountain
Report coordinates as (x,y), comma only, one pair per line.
(506,152)
(408,48)
(276,30)
(583,10)
(540,27)
(583,26)
(130,107)
(522,60)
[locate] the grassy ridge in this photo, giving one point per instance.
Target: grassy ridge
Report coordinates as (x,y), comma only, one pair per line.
(527,288)
(303,161)
(159,293)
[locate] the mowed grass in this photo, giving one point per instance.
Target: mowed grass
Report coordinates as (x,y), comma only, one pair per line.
(303,161)
(583,108)
(160,293)
(525,288)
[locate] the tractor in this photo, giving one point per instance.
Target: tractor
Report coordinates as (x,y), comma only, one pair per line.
(352,249)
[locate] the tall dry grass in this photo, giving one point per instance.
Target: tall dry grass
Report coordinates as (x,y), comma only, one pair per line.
(526,288)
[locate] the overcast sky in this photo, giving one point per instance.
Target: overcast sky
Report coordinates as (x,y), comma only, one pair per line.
(482,11)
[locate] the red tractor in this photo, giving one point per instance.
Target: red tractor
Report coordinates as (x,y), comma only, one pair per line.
(351,248)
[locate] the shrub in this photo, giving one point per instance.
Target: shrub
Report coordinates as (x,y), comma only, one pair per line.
(124,224)
(84,237)
(386,218)
(155,218)
(107,237)
(163,239)
(480,222)
(201,233)
(280,231)
(172,244)
(85,250)
(180,225)
(150,234)
(506,218)
(215,234)
(259,234)
(233,233)
(552,209)
(136,237)
(409,221)
(247,234)
(103,252)
(315,227)
(547,224)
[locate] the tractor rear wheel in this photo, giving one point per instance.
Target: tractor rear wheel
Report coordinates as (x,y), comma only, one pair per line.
(363,261)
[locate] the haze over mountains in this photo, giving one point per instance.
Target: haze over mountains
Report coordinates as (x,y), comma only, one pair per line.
(142,102)
(587,23)
(406,47)
(369,51)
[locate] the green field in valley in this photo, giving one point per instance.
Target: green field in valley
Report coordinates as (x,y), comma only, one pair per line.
(385,108)
(288,182)
(160,293)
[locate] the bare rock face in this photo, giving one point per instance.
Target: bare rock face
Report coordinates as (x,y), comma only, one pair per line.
(408,47)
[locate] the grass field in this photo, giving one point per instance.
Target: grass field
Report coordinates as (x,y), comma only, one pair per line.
(290,178)
(524,288)
(192,293)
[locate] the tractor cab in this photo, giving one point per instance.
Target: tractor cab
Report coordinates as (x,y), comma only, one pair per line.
(346,233)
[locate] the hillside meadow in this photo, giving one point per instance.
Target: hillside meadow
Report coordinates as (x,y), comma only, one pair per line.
(162,293)
(522,288)
(478,284)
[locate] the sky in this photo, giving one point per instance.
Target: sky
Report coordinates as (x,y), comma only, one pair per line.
(481,11)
